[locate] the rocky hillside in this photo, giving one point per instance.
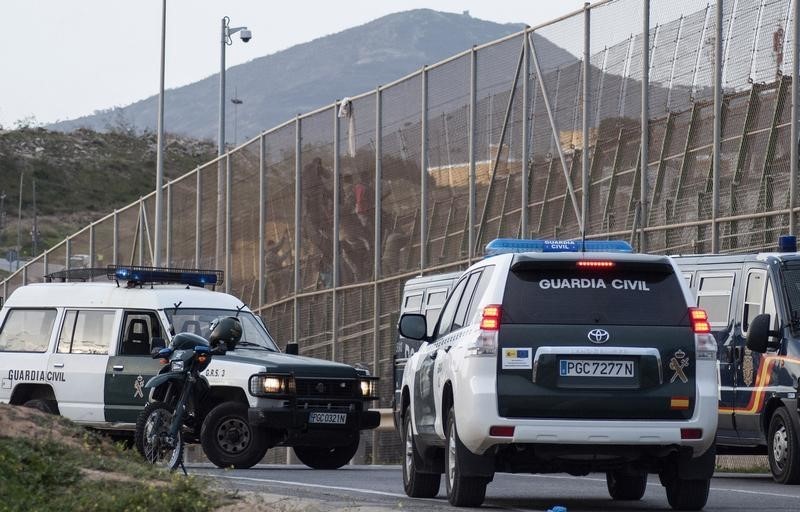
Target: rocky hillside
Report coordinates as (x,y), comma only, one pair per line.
(80,176)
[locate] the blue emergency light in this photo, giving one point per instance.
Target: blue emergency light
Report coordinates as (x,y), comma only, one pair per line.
(513,245)
(159,275)
(787,243)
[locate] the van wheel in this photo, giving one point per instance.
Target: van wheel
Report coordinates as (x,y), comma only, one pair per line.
(462,491)
(323,457)
(782,447)
(228,439)
(625,485)
(48,406)
(415,483)
(687,494)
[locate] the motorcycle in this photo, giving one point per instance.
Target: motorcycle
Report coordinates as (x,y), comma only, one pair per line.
(177,390)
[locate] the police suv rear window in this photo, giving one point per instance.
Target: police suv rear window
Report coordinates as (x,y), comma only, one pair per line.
(626,294)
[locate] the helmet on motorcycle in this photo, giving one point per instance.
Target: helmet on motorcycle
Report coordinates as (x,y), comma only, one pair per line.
(227,330)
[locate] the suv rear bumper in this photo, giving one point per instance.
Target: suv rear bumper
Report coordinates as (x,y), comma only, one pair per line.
(478,414)
(295,419)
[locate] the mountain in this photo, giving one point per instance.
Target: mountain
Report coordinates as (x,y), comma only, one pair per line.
(304,77)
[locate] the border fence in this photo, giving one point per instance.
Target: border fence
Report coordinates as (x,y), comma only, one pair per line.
(537,135)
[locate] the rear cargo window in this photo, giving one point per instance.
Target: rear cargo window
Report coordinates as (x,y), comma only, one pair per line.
(616,296)
(27,330)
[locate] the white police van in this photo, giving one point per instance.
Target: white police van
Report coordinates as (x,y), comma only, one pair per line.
(83,350)
(562,357)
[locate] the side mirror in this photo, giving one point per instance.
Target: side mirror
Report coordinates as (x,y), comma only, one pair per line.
(156,344)
(292,348)
(758,333)
(413,326)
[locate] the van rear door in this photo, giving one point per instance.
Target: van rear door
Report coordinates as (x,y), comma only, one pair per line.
(601,341)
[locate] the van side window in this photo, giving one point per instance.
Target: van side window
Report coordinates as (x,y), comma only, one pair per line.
(714,295)
(140,327)
(86,332)
(753,297)
(461,313)
(486,276)
(413,303)
(449,312)
(433,306)
(27,330)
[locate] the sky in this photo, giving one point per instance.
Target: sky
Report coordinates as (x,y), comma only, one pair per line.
(64,59)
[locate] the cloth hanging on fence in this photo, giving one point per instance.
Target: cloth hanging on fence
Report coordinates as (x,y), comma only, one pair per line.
(346,112)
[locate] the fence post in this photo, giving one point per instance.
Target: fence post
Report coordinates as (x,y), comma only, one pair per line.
(376,298)
(473,94)
(67,252)
(717,127)
(525,199)
(297,210)
(795,116)
(262,215)
(228,223)
(645,123)
(115,238)
(91,245)
(198,218)
(585,128)
(169,224)
(336,215)
(423,175)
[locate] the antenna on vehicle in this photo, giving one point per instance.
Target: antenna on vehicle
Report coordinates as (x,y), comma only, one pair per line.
(175,306)
(240,308)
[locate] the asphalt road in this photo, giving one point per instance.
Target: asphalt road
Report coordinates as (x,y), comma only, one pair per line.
(382,487)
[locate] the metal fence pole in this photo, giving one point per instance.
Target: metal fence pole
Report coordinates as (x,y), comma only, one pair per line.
(115,238)
(645,123)
(198,219)
(525,199)
(717,128)
(262,215)
(169,237)
(795,116)
(91,245)
(336,215)
(376,299)
(297,204)
(585,128)
(67,252)
(24,275)
(423,174)
(45,261)
(228,223)
(473,108)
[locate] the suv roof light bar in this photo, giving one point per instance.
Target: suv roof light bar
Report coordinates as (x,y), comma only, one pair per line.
(136,275)
(513,245)
(74,274)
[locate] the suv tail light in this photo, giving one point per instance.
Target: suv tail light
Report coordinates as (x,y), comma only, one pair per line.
(486,342)
(705,345)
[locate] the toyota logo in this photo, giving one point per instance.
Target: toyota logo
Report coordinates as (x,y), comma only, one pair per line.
(598,336)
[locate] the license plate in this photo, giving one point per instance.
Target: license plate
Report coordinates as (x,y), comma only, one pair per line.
(591,368)
(335,418)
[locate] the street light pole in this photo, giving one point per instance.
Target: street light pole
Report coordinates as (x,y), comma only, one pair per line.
(160,144)
(226,32)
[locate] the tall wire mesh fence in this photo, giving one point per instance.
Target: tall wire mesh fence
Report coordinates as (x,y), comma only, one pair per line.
(319,222)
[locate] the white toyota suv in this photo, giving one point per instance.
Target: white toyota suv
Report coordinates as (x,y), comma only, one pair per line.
(562,357)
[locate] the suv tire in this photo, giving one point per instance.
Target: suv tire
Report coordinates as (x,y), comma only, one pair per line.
(687,494)
(784,453)
(324,457)
(625,485)
(415,483)
(228,439)
(462,491)
(46,406)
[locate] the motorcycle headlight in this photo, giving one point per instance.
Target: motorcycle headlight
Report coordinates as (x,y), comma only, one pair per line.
(271,385)
(369,388)
(176,366)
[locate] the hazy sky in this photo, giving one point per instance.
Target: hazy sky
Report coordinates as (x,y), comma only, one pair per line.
(63,59)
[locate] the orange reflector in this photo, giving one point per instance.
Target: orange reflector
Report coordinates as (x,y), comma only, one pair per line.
(163,361)
(691,433)
(699,320)
(679,403)
(201,359)
(595,264)
(501,431)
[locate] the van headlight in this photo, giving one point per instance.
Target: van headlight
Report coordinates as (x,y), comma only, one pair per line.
(273,385)
(369,388)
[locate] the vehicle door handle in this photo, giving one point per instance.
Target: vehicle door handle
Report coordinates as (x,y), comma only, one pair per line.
(58,365)
(118,368)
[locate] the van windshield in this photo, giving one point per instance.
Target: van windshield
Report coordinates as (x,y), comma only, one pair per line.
(567,295)
(791,283)
(197,321)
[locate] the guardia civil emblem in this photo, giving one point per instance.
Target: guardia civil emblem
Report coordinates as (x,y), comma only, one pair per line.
(747,367)
(138,386)
(678,362)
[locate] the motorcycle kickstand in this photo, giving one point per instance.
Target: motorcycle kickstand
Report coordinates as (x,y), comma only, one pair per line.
(184,469)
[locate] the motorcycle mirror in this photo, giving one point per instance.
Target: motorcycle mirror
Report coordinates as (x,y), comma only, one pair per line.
(158,343)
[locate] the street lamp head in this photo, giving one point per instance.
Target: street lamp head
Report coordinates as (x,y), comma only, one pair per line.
(246,35)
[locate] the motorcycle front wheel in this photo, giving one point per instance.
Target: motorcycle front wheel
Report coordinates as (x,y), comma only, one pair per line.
(152,436)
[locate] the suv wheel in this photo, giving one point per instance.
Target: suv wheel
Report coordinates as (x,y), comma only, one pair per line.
(416,484)
(323,457)
(687,494)
(626,485)
(228,439)
(462,491)
(784,456)
(48,406)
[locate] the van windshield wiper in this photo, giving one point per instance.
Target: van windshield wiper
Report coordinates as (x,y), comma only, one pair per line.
(254,345)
